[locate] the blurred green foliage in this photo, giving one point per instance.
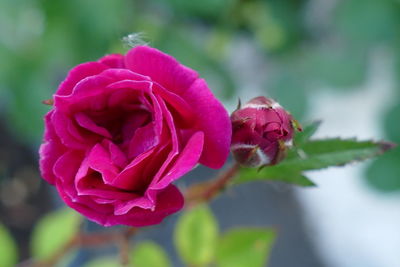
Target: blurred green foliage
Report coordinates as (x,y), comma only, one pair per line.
(196,236)
(199,242)
(245,247)
(105,261)
(304,49)
(8,248)
(53,232)
(149,254)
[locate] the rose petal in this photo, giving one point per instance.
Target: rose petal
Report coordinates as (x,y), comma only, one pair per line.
(169,200)
(144,139)
(72,159)
(99,159)
(86,122)
(77,74)
(161,67)
(93,186)
(185,162)
(213,120)
(182,111)
(123,207)
(50,150)
(133,176)
(69,133)
(98,85)
(143,176)
(173,137)
(116,154)
(113,61)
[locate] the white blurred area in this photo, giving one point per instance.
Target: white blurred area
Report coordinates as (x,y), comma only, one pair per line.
(349,223)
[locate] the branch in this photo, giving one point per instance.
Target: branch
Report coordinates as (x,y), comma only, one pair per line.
(206,191)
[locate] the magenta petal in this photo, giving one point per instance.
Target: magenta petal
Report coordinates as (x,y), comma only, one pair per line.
(213,120)
(185,115)
(123,207)
(117,156)
(113,61)
(77,74)
(85,206)
(99,85)
(174,140)
(169,200)
(50,150)
(72,159)
(84,121)
(132,85)
(144,139)
(161,67)
(68,132)
(99,159)
(47,160)
(185,162)
(132,177)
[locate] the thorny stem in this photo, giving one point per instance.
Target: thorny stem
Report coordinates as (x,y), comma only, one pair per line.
(196,194)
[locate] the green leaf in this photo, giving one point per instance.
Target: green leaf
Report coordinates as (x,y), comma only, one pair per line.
(245,247)
(273,174)
(107,261)
(196,236)
(319,154)
(149,254)
(53,231)
(314,155)
(8,248)
(308,131)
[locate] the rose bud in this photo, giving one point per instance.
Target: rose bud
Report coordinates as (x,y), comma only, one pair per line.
(262,130)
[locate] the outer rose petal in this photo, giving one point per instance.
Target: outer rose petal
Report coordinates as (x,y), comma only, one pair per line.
(161,67)
(113,61)
(213,120)
(50,150)
(77,74)
(169,201)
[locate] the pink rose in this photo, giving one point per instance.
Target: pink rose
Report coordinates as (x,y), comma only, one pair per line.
(122,129)
(261,131)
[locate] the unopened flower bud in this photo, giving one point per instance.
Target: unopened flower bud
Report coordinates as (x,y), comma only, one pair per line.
(262,130)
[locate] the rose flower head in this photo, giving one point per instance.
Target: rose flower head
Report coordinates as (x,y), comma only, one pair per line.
(262,130)
(123,129)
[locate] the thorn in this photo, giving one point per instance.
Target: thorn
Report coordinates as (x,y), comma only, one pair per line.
(49,102)
(239,105)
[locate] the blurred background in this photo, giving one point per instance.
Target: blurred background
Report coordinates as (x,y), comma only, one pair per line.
(335,60)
